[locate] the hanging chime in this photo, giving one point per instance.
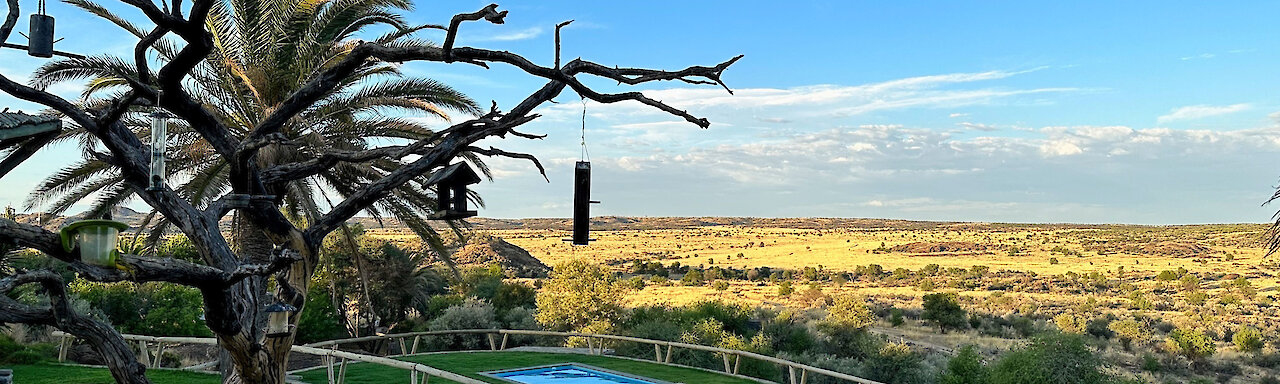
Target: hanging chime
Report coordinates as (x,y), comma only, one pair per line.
(40,42)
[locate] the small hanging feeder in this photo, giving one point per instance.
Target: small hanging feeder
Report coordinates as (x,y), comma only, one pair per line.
(278,319)
(40,42)
(159,143)
(582,203)
(451,191)
(97,239)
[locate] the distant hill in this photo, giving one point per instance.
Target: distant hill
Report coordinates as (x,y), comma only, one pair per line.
(615,223)
(52,222)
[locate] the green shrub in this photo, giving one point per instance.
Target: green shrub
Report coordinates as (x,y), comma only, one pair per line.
(895,317)
(577,294)
(788,336)
(785,289)
(1191,343)
(1050,358)
(1248,339)
(849,311)
(1151,363)
(513,295)
(24,357)
(965,368)
(437,304)
(943,309)
(894,364)
(472,314)
(635,282)
(479,282)
(153,309)
(319,320)
(8,346)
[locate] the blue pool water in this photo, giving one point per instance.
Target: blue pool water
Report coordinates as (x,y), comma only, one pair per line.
(567,374)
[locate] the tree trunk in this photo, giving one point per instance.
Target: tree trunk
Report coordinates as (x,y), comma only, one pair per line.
(248,356)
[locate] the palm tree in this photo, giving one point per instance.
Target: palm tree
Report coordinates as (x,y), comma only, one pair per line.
(264,51)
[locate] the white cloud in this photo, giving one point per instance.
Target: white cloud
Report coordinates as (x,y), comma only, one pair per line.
(523,34)
(1055,148)
(1201,111)
(806,103)
(1202,56)
(979,126)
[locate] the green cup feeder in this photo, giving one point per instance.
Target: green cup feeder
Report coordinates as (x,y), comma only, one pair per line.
(97,239)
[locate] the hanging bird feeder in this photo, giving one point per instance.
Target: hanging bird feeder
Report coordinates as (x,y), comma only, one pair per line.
(451,191)
(582,203)
(582,191)
(97,239)
(40,42)
(278,315)
(159,143)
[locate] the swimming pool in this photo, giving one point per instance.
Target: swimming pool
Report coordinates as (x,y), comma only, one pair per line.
(571,373)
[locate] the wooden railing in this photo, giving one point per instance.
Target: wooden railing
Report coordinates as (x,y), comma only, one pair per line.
(796,373)
(335,360)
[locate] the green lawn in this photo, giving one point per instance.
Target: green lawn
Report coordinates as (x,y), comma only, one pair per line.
(469,364)
(63,374)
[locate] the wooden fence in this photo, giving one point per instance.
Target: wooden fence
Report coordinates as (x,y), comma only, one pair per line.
(335,360)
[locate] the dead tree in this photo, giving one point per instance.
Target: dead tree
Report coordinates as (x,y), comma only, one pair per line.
(233,306)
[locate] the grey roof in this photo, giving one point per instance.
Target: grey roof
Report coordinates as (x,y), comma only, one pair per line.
(19,125)
(21,135)
(457,171)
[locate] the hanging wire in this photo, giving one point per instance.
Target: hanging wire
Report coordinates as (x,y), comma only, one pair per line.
(585,156)
(40,7)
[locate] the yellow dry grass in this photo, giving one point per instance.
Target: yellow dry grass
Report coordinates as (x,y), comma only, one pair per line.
(1229,249)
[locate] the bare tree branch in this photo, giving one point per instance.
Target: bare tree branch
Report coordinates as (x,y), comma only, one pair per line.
(515,155)
(9,21)
(110,345)
(489,13)
(139,268)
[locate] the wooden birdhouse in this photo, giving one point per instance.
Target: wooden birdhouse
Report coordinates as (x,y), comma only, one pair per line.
(451,191)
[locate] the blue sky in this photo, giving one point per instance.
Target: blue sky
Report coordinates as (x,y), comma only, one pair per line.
(1121,112)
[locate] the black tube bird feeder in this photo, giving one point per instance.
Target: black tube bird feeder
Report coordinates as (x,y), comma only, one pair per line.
(582,203)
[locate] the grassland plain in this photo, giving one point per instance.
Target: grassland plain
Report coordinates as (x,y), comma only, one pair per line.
(1125,252)
(1013,279)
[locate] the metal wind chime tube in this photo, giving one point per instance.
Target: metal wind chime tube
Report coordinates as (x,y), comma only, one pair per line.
(159,142)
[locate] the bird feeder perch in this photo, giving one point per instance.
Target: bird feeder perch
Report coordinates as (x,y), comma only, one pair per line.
(278,319)
(97,239)
(451,191)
